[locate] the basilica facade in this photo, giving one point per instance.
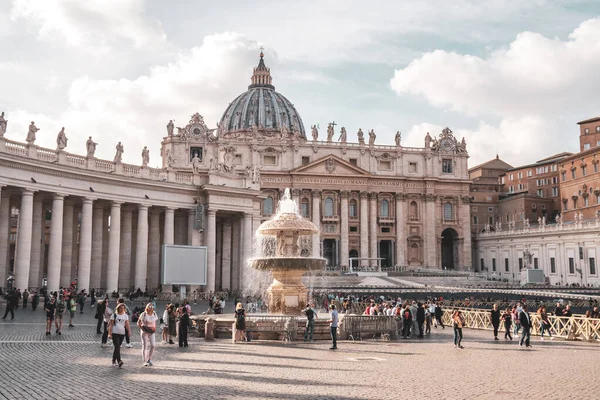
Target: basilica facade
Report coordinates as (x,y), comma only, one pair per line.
(103,222)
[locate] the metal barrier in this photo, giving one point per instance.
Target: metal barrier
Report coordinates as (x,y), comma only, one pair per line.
(570,328)
(359,326)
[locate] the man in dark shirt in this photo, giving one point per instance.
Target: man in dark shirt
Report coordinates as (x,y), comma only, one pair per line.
(420,318)
(10,304)
(310,321)
(495,320)
(50,312)
(525,320)
(438,315)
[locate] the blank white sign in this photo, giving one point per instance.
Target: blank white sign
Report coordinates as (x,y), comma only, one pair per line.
(184,265)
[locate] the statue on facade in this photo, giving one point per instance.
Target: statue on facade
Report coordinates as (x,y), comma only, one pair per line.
(343,135)
(118,153)
(170,159)
(361,136)
(427,141)
(255,130)
(580,215)
(145,156)
(31,133)
(330,132)
(196,164)
(539,221)
(526,223)
(61,140)
(462,147)
(170,127)
(398,138)
(372,137)
(558,219)
(498,226)
(90,146)
(269,119)
(315,132)
(284,131)
(3,124)
(227,165)
(256,174)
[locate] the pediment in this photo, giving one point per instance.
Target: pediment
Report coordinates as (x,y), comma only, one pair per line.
(330,165)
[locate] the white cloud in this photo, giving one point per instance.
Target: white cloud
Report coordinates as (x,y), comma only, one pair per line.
(530,85)
(96,25)
(136,111)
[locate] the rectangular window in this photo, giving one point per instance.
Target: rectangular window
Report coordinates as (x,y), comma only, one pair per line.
(520,263)
(354,229)
(385,165)
(586,146)
(490,209)
(511,177)
(237,159)
(586,201)
(535,263)
(554,191)
(354,161)
(529,173)
(520,175)
(563,176)
(502,180)
(491,220)
(552,265)
(506,264)
(592,266)
(596,167)
(493,264)
(412,167)
(584,170)
(571,265)
(305,160)
(446,166)
(269,160)
(573,174)
(555,179)
(195,151)
(540,192)
(385,229)
(304,209)
(475,219)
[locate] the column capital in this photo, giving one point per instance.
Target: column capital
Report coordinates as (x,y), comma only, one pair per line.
(364,195)
(211,212)
(143,206)
(247,216)
(344,194)
(295,192)
(58,196)
(316,193)
(170,209)
(88,200)
(27,191)
(400,197)
(373,195)
(116,203)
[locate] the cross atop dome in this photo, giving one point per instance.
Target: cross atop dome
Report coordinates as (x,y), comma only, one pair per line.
(261,76)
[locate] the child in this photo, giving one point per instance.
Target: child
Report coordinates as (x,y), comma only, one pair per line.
(507,318)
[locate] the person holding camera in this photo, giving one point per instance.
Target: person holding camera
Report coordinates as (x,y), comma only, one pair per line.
(147,324)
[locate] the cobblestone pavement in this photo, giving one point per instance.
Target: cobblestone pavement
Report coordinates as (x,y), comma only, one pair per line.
(74,366)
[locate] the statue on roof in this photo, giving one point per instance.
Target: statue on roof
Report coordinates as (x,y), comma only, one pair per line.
(427,141)
(3,124)
(170,127)
(31,133)
(330,132)
(315,132)
(343,135)
(90,146)
(119,153)
(372,137)
(361,136)
(145,156)
(61,140)
(398,138)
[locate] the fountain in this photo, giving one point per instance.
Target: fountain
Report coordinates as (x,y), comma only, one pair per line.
(287,294)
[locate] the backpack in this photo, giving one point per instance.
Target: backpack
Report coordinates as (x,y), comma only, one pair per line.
(60,307)
(407,315)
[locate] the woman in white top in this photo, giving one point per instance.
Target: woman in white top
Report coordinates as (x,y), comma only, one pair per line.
(165,324)
(147,325)
(117,327)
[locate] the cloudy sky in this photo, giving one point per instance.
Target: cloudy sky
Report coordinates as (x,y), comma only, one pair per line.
(513,77)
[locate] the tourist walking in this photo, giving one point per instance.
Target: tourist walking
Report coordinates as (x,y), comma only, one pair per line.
(439,313)
(60,312)
(420,319)
(10,304)
(35,301)
(100,308)
(72,304)
(184,324)
(92,298)
(117,328)
(147,325)
(507,318)
(458,322)
(544,323)
(495,320)
(240,322)
(525,320)
(81,301)
(515,318)
(172,323)
(25,298)
(311,314)
(50,309)
(333,324)
(428,319)
(406,322)
(164,324)
(105,320)
(128,312)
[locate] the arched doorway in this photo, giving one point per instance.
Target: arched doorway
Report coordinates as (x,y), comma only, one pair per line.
(353,263)
(449,248)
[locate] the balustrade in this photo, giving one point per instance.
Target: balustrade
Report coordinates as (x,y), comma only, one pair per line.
(46,155)
(17,148)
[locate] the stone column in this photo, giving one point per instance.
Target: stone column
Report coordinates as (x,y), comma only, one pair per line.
(38,226)
(24,234)
(141,251)
(211,244)
(169,235)
(114,247)
(194,236)
(364,228)
(75,241)
(373,225)
(154,249)
(430,237)
(226,256)
(316,219)
(247,240)
(105,240)
(85,245)
(400,227)
(55,250)
(97,238)
(67,244)
(237,248)
(344,229)
(296,197)
(4,235)
(125,248)
(465,215)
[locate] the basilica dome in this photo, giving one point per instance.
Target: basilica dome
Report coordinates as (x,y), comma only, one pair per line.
(262,108)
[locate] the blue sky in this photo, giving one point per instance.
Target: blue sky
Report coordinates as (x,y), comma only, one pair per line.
(511,76)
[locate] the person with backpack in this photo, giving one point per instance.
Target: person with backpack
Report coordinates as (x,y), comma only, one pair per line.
(311,315)
(240,322)
(72,304)
(184,324)
(406,322)
(147,324)
(117,329)
(60,312)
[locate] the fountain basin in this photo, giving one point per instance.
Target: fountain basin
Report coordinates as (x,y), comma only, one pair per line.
(287,263)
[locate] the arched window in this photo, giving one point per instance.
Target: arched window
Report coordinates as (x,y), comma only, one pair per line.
(384,209)
(448,212)
(304,208)
(328,212)
(352,210)
(413,211)
(268,206)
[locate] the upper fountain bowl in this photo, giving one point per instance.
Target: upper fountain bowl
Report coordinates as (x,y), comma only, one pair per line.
(288,222)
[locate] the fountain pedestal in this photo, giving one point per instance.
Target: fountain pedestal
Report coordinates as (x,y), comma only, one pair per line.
(287,294)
